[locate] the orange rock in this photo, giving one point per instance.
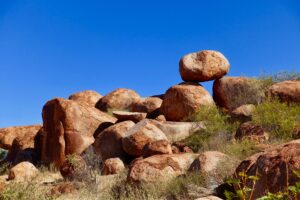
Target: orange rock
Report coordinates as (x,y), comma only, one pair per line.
(119,99)
(180,101)
(288,91)
(274,167)
(157,147)
(149,105)
(24,171)
(69,128)
(113,166)
(87,97)
(132,116)
(203,66)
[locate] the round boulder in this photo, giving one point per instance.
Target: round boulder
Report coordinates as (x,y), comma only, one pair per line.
(87,97)
(119,99)
(139,135)
(113,166)
(149,105)
(180,101)
(24,171)
(288,91)
(157,147)
(203,66)
(108,143)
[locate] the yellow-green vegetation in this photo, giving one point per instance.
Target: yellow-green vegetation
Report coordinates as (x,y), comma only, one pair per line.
(279,118)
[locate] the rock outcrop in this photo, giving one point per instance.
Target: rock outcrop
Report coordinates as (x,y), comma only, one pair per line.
(180,101)
(232,92)
(149,105)
(24,171)
(87,97)
(274,167)
(288,91)
(157,147)
(252,132)
(25,133)
(132,116)
(69,128)
(108,143)
(119,99)
(113,166)
(139,135)
(160,167)
(203,66)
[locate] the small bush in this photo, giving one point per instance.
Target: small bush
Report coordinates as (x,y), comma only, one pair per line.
(279,118)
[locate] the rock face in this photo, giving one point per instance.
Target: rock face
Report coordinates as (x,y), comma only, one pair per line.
(120,99)
(69,128)
(150,105)
(113,166)
(203,66)
(74,168)
(243,112)
(211,164)
(157,147)
(232,92)
(139,135)
(184,99)
(87,97)
(274,166)
(160,167)
(24,171)
(108,143)
(8,135)
(132,116)
(251,132)
(288,91)
(177,131)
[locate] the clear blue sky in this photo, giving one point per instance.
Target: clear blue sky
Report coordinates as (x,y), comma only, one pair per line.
(57,47)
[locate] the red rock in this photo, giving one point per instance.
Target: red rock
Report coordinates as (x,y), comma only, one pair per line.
(113,166)
(69,128)
(108,143)
(132,116)
(274,167)
(150,105)
(288,91)
(87,97)
(203,66)
(251,132)
(119,99)
(157,147)
(232,92)
(180,101)
(26,133)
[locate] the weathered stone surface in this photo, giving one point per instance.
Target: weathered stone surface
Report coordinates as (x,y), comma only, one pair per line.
(65,188)
(132,116)
(87,97)
(160,167)
(108,143)
(177,131)
(209,198)
(24,171)
(149,105)
(119,99)
(203,66)
(181,147)
(180,101)
(210,164)
(243,112)
(274,167)
(232,92)
(161,118)
(24,149)
(8,135)
(69,128)
(157,147)
(74,168)
(288,91)
(113,166)
(139,135)
(251,132)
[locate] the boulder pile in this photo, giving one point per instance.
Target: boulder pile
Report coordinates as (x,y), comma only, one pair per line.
(145,134)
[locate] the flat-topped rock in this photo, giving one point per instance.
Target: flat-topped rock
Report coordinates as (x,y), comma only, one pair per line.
(132,116)
(87,97)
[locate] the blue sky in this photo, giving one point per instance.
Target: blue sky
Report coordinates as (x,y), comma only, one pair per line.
(54,48)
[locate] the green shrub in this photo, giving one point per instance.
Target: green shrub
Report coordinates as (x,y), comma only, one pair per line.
(279,118)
